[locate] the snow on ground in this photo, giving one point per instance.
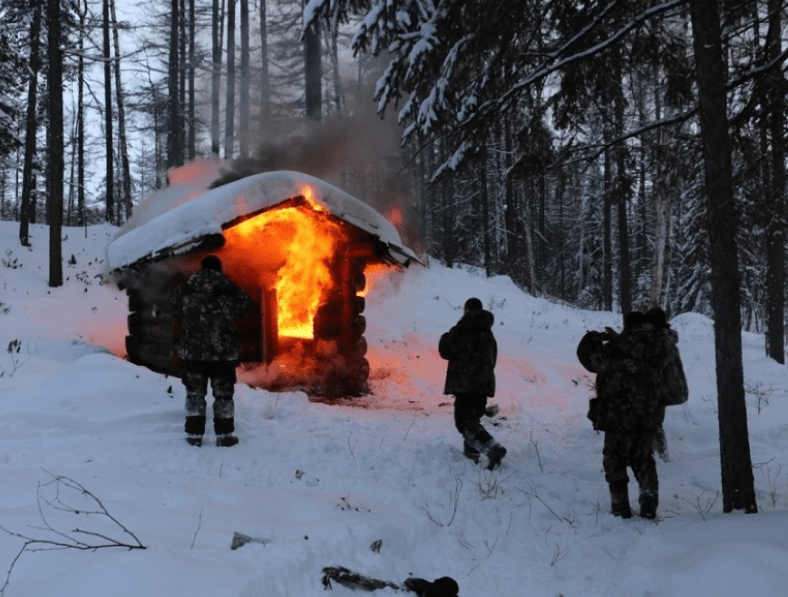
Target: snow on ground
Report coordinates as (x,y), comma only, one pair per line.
(316,484)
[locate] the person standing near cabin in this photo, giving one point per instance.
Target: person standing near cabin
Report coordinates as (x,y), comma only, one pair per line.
(206,306)
(472,352)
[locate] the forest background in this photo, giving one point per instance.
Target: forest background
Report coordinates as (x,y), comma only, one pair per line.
(609,154)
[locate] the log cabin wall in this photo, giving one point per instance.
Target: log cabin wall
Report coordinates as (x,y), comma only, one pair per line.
(332,364)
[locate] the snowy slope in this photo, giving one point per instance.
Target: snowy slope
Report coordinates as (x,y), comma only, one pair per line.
(317,484)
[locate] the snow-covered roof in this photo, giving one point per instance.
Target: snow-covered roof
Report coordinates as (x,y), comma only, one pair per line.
(183,227)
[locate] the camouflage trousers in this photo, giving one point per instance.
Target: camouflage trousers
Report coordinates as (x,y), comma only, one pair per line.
(633,450)
(196,376)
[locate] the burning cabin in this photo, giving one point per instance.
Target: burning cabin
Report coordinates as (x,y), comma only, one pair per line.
(298,246)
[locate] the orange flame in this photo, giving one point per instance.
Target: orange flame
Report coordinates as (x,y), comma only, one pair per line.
(290,249)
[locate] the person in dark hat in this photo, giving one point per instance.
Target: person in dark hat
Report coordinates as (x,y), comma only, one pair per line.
(626,407)
(472,352)
(206,306)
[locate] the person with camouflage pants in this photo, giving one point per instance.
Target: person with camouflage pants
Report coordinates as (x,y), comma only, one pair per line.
(206,306)
(627,407)
(472,351)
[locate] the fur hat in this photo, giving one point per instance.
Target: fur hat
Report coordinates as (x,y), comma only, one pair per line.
(211,262)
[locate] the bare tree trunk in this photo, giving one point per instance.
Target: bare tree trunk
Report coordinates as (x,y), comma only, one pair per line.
(738,492)
(125,170)
(243,131)
(174,136)
(31,125)
(265,84)
(110,215)
(485,197)
(191,142)
(775,231)
(183,68)
(621,192)
(55,171)
(314,74)
(339,102)
(229,125)
(81,219)
(607,276)
(216,75)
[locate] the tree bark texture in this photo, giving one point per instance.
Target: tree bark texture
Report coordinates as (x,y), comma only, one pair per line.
(775,229)
(31,125)
(738,491)
(56,164)
(314,74)
(174,137)
(229,125)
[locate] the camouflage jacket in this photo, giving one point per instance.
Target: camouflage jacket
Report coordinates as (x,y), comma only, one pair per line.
(472,351)
(629,375)
(207,305)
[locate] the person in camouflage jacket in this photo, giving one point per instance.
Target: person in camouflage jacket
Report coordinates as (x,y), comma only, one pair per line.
(627,407)
(472,352)
(206,306)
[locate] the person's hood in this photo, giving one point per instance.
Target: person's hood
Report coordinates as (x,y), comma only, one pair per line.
(480,319)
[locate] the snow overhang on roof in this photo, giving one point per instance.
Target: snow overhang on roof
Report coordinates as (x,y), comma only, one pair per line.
(189,224)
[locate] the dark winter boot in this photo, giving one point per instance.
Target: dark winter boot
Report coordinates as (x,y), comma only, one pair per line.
(224,432)
(470,452)
(495,453)
(660,444)
(648,506)
(481,441)
(195,429)
(619,500)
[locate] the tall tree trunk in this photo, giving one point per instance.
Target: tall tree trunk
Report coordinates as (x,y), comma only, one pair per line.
(174,136)
(511,211)
(191,142)
(738,492)
(314,74)
(489,268)
(607,241)
(243,131)
(265,83)
(216,75)
(183,68)
(775,229)
(125,170)
(81,220)
(110,160)
(229,125)
(339,102)
(56,169)
(31,126)
(621,190)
